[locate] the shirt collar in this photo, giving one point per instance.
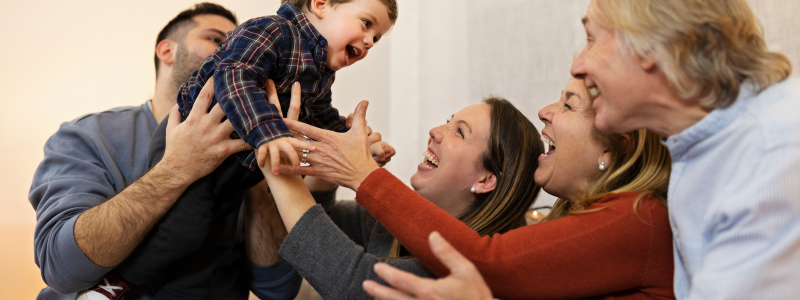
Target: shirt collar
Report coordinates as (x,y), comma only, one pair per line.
(714,122)
(295,15)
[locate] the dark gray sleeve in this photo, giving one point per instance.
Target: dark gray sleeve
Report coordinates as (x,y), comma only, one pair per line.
(346,214)
(332,263)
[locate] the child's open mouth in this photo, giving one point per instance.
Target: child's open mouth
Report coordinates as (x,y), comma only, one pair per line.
(352,52)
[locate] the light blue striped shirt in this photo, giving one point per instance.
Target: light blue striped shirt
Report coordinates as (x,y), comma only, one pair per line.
(734,199)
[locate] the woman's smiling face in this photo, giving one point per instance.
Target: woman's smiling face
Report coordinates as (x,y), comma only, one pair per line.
(452,163)
(571,159)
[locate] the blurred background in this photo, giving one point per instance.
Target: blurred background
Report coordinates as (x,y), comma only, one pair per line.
(65,59)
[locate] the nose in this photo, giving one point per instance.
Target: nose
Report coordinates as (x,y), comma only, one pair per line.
(578,69)
(369,41)
(546,114)
(437,134)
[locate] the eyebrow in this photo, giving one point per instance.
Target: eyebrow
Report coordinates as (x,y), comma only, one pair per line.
(584,20)
(216,31)
(570,95)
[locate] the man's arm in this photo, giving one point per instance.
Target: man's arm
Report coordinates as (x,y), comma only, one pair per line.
(109,232)
(264,229)
(83,228)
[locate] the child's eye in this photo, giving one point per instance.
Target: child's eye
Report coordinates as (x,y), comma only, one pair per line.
(215,40)
(367,23)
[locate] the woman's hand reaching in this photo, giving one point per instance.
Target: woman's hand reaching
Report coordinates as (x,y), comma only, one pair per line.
(464,281)
(341,158)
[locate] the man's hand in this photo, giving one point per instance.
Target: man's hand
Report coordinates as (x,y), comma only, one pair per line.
(464,281)
(109,232)
(198,145)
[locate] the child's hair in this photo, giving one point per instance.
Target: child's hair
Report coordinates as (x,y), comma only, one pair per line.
(390,4)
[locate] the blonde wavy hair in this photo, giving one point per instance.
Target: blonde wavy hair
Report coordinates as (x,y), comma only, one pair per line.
(641,164)
(706,48)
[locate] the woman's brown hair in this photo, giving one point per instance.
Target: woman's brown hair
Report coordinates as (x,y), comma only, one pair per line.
(512,155)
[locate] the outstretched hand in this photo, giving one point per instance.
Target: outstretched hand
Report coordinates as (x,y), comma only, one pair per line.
(341,158)
(286,145)
(464,281)
(199,144)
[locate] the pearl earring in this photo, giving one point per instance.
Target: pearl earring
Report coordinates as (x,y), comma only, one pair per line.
(472,190)
(602,166)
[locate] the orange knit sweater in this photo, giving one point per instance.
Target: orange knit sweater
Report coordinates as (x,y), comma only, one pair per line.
(606,254)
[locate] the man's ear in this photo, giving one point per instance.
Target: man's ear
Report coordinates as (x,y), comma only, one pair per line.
(647,62)
(320,8)
(165,50)
(486,184)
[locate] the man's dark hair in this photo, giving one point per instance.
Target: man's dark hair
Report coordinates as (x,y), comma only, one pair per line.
(175,26)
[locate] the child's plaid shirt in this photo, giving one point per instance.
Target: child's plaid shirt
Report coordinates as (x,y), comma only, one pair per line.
(285,48)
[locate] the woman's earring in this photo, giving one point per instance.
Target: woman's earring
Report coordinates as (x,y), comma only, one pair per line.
(472,190)
(602,166)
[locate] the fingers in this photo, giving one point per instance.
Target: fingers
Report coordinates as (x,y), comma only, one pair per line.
(300,145)
(216,114)
(275,158)
(272,95)
(290,170)
(369,130)
(401,280)
(381,292)
(174,118)
(261,155)
(377,152)
(374,137)
(203,100)
(294,104)
(288,150)
(388,150)
(307,130)
(349,121)
(360,117)
(448,255)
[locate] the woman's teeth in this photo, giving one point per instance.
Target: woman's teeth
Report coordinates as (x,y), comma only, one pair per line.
(594,92)
(430,158)
(551,146)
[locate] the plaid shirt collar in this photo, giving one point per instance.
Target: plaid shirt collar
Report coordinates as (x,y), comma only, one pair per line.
(295,15)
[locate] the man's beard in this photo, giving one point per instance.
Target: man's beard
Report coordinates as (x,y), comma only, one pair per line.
(185,64)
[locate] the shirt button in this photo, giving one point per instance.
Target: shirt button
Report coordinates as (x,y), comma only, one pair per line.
(323,43)
(311,43)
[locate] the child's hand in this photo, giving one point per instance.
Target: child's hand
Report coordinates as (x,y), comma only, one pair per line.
(382,152)
(274,148)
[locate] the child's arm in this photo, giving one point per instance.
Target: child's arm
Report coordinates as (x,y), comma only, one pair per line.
(252,53)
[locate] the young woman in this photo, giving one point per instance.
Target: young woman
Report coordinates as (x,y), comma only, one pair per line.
(477,169)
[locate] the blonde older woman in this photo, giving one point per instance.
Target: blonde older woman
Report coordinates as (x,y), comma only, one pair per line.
(699,74)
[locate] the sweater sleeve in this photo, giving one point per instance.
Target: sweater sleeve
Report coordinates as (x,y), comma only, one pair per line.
(278,281)
(332,263)
(603,252)
(346,214)
(70,180)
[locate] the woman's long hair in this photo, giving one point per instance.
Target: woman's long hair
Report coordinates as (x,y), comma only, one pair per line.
(641,164)
(513,156)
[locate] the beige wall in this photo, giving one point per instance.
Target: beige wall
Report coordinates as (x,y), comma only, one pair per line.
(63,59)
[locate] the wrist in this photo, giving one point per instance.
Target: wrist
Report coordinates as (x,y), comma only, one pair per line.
(362,175)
